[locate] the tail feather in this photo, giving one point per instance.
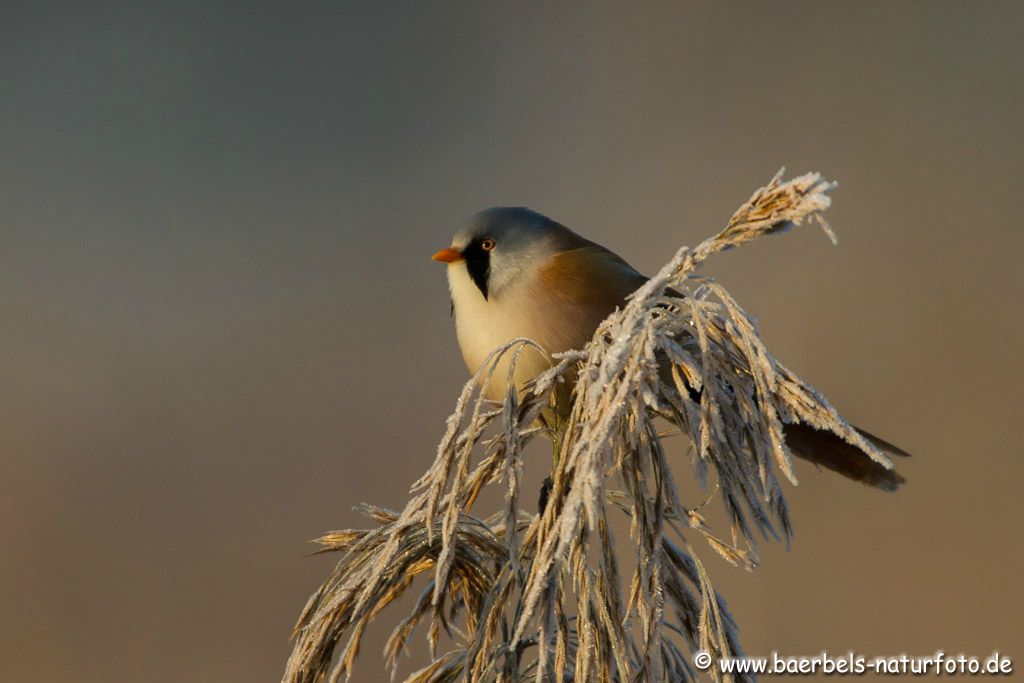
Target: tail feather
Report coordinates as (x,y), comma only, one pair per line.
(831,452)
(828,450)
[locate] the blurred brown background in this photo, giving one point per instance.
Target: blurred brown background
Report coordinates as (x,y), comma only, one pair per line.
(222,327)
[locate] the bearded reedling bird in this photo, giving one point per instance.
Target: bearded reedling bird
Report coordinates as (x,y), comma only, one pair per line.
(513,272)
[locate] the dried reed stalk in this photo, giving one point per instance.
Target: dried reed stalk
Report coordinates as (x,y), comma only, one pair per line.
(515,595)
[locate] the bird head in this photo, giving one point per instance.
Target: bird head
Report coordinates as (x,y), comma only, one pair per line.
(502,245)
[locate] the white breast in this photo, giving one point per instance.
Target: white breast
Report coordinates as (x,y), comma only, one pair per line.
(523,310)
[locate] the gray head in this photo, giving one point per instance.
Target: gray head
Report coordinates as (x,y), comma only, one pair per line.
(501,244)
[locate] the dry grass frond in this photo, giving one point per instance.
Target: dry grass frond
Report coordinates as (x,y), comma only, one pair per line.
(544,596)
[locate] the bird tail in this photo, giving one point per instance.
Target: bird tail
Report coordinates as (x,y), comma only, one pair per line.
(832,452)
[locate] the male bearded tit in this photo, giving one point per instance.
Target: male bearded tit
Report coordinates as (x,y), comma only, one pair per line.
(513,273)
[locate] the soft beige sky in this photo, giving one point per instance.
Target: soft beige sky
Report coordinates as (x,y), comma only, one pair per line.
(223,329)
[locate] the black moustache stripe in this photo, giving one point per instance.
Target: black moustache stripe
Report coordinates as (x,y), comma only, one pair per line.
(478,263)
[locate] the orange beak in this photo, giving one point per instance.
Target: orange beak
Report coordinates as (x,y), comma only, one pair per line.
(448,255)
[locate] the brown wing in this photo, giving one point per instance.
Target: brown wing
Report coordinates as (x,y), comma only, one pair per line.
(590,276)
(598,280)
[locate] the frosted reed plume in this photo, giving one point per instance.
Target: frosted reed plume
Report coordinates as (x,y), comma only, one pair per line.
(517,595)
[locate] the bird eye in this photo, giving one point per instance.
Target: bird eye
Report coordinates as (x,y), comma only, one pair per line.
(487,244)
